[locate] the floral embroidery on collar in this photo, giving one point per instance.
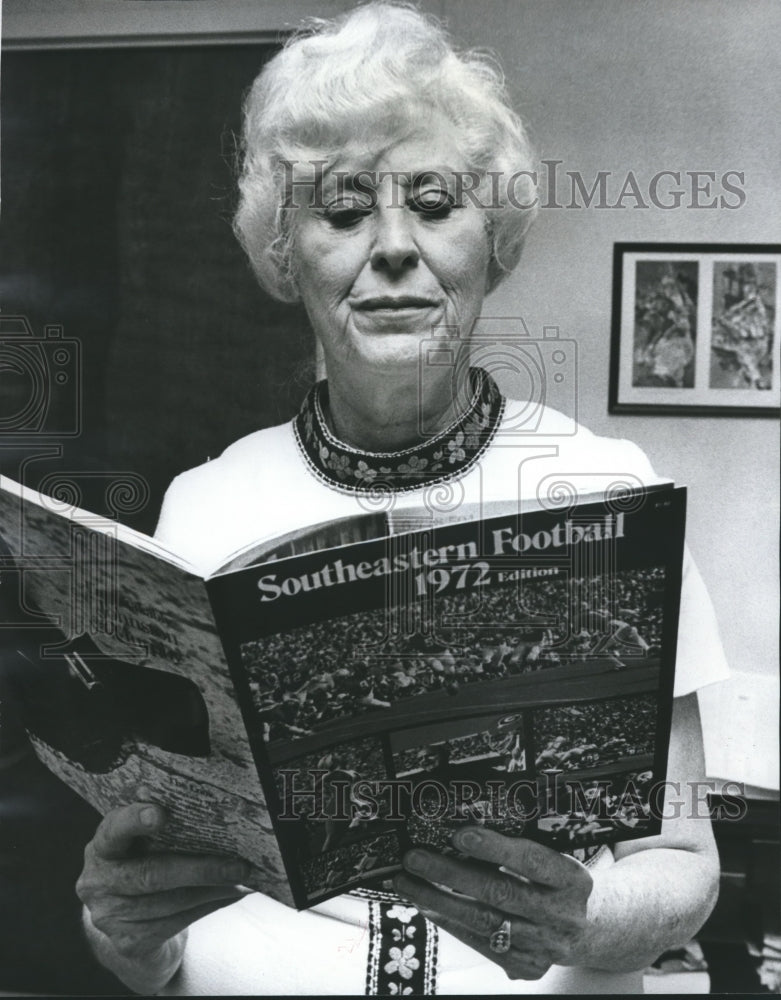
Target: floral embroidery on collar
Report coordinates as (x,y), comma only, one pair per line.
(403,946)
(449,454)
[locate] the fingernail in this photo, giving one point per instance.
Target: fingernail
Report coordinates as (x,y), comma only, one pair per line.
(467,839)
(149,816)
(403,886)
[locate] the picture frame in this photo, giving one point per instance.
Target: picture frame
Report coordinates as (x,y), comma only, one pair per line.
(696,329)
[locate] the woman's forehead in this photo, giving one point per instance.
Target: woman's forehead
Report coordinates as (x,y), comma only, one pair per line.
(422,152)
(424,141)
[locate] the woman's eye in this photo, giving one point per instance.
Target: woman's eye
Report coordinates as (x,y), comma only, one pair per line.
(434,204)
(346,215)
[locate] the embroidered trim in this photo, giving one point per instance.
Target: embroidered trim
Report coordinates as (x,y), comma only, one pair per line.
(449,454)
(364,892)
(375,947)
(402,950)
(588,855)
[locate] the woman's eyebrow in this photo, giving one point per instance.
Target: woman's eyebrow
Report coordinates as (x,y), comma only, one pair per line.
(410,178)
(360,179)
(350,181)
(440,172)
(357,180)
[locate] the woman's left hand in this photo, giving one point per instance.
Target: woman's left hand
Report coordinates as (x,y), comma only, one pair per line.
(544,899)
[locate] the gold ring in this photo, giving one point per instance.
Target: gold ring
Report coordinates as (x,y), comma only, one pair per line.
(500,939)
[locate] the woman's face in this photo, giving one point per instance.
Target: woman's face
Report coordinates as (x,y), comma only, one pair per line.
(390,253)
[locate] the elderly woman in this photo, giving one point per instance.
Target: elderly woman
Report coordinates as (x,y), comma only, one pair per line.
(383,186)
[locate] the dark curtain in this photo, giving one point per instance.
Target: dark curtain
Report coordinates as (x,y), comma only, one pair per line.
(118,185)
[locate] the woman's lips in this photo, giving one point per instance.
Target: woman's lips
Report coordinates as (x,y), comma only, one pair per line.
(393,303)
(395,314)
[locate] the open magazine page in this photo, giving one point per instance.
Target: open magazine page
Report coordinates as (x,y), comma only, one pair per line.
(12,492)
(132,692)
(515,671)
(315,537)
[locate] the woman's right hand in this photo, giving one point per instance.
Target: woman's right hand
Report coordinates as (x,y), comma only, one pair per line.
(138,905)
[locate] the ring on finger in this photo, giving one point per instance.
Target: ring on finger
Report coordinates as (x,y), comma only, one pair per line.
(500,940)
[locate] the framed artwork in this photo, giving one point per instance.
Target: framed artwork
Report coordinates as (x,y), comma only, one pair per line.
(696,329)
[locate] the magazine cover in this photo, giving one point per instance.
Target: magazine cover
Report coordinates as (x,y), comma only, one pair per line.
(515,672)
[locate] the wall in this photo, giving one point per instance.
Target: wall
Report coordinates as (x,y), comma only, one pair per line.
(607,85)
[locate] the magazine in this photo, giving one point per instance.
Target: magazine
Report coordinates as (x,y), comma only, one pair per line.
(326,700)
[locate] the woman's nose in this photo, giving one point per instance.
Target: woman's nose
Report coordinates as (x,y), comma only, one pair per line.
(394,246)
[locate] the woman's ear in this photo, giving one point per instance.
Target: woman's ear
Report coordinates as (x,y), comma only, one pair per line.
(493,275)
(278,277)
(283,256)
(494,272)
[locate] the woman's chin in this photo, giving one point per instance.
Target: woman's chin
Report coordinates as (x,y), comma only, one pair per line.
(390,351)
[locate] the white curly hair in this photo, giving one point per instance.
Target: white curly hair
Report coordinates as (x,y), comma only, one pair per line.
(377,68)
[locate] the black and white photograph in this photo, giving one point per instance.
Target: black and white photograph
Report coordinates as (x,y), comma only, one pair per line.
(305,681)
(578,814)
(696,330)
(499,746)
(327,820)
(743,333)
(587,735)
(665,324)
(320,788)
(471,770)
(389,391)
(352,862)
